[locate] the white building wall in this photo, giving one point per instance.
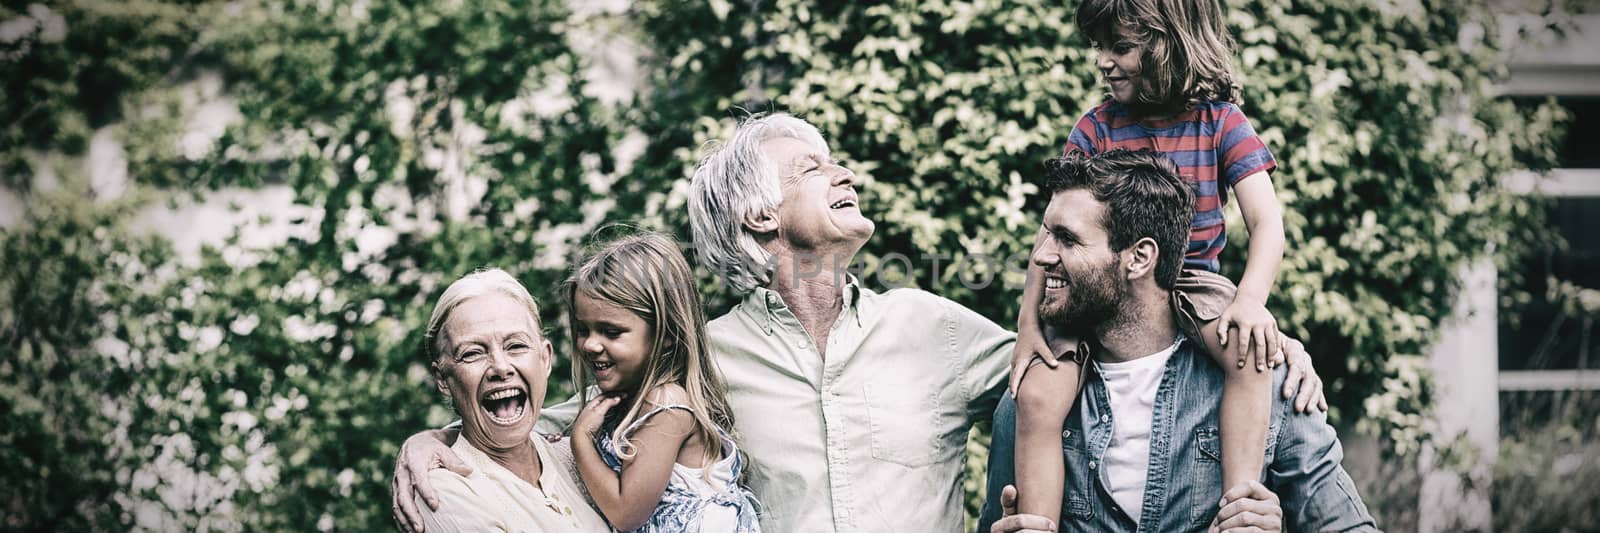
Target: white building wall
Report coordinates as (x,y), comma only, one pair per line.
(1465,366)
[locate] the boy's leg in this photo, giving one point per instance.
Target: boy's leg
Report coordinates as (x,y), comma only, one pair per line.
(1200,297)
(1044,398)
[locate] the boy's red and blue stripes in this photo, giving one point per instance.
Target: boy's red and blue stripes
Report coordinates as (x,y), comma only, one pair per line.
(1210,140)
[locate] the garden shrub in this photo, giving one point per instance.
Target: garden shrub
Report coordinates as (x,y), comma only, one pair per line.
(269,388)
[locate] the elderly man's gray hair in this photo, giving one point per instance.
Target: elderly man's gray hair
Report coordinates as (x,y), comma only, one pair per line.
(734,181)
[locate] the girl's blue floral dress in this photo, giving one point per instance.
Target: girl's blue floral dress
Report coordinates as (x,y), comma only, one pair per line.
(691,504)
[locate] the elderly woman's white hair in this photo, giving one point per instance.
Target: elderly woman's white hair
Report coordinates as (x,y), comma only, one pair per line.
(482,282)
(734,181)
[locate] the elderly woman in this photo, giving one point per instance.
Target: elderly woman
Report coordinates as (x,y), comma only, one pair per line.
(489,357)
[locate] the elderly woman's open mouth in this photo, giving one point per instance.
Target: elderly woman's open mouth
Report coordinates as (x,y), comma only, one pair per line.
(505,405)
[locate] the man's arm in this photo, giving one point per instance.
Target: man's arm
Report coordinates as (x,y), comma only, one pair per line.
(1019,523)
(984,350)
(1317,494)
(431,449)
(1002,459)
(557,418)
(418,455)
(1248,507)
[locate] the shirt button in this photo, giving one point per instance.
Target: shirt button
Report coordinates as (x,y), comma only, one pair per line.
(1093,464)
(1105,418)
(1066,433)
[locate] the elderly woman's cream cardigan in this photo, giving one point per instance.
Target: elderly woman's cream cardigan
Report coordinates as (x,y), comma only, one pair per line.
(494,499)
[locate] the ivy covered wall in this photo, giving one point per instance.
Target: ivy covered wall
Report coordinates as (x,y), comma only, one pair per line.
(269,387)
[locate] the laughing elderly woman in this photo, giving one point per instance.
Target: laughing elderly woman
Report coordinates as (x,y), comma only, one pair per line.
(490,358)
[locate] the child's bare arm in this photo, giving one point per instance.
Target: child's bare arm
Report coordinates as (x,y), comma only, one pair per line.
(628,500)
(1031,342)
(1302,384)
(1263,216)
(1044,399)
(1246,406)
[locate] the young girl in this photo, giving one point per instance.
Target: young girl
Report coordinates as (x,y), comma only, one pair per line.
(663,462)
(1168,67)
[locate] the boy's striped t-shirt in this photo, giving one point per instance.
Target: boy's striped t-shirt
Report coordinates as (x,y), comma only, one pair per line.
(1213,145)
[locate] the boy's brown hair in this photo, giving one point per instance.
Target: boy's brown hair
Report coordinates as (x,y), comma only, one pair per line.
(1188,54)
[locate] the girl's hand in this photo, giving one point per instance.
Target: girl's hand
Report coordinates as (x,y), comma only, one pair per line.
(594,414)
(1258,331)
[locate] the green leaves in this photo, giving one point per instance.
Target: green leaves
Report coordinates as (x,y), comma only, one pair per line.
(70,66)
(269,388)
(1390,140)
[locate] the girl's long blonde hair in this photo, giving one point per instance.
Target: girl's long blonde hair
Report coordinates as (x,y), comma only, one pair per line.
(1188,54)
(647,274)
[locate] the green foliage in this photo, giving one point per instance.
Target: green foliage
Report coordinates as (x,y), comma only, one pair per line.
(1383,117)
(269,388)
(1388,135)
(1545,479)
(1389,198)
(67,73)
(393,191)
(65,368)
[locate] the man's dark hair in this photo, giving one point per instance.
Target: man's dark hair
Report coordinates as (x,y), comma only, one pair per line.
(1143,197)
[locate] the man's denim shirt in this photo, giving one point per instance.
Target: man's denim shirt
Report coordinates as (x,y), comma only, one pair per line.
(1185,477)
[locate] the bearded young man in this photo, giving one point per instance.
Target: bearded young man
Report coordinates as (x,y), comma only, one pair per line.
(1141,444)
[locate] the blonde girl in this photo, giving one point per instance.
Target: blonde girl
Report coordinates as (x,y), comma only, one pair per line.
(652,447)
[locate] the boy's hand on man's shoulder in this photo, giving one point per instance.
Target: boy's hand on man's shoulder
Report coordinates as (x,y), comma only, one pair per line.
(1257,335)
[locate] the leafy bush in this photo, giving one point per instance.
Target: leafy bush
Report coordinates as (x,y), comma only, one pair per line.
(1383,118)
(1546,477)
(270,388)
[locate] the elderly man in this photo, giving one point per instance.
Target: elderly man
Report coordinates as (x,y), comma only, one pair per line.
(1141,443)
(854,405)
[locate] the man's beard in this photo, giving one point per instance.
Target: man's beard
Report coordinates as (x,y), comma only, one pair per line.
(1092,301)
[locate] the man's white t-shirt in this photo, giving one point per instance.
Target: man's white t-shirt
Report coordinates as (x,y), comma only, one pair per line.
(1131,388)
